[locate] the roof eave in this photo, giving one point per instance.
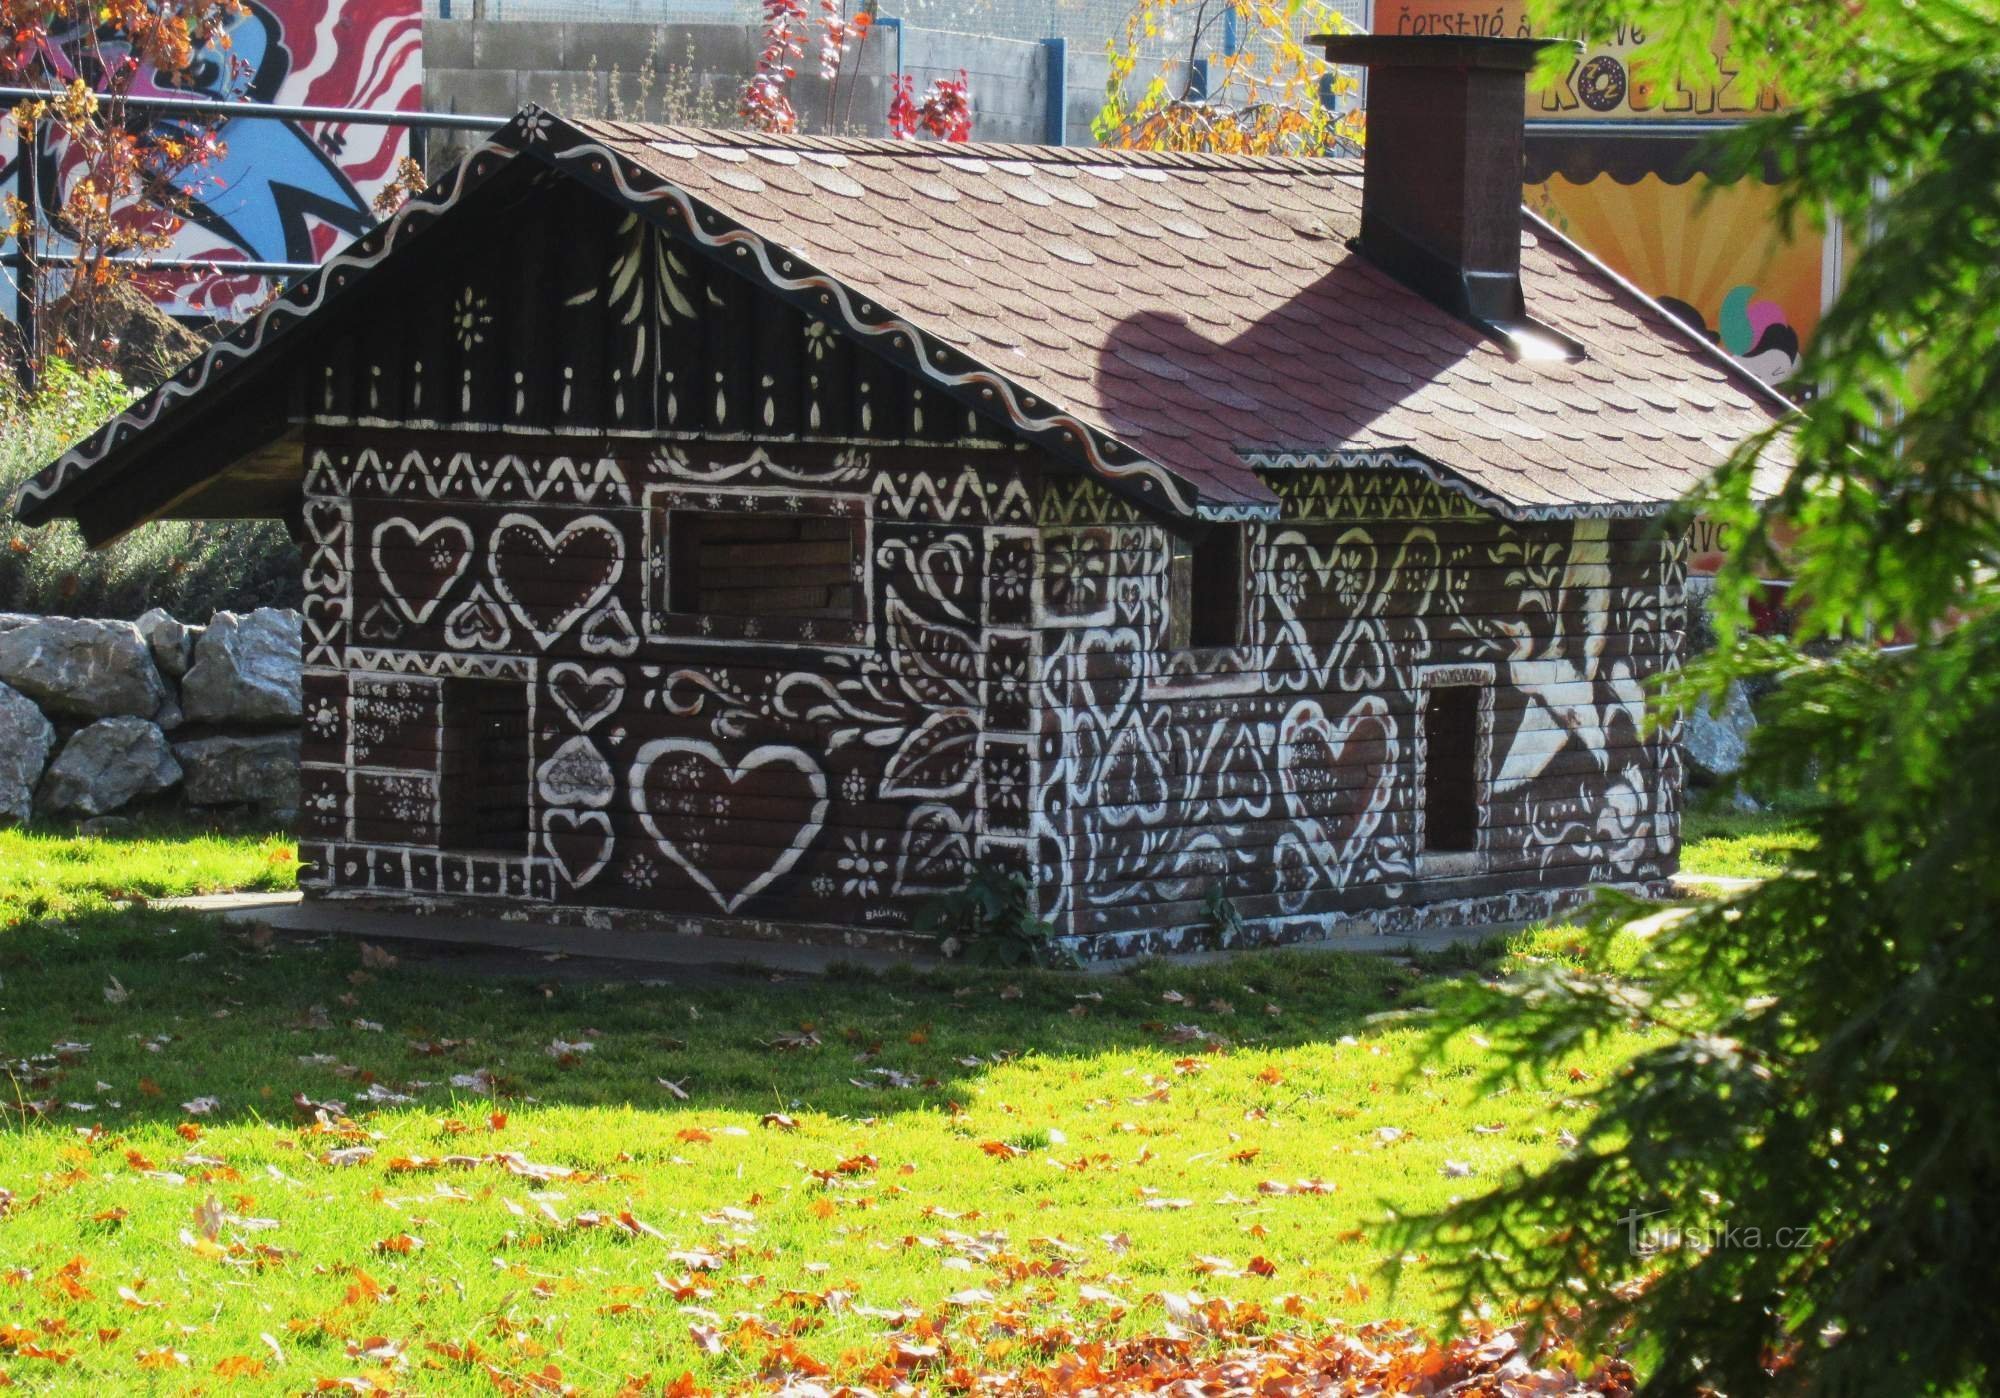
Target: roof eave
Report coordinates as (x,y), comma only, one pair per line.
(111,452)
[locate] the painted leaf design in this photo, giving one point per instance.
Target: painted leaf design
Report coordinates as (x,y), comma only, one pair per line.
(936,850)
(936,758)
(936,664)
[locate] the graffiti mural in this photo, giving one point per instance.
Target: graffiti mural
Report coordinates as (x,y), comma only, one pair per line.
(285,191)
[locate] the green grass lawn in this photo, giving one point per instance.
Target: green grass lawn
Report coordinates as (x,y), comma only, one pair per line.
(1733,844)
(249,1162)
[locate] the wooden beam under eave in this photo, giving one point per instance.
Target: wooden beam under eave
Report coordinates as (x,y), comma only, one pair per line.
(262,482)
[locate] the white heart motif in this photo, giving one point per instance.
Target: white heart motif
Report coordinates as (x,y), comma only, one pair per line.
(529,559)
(453,551)
(1307,732)
(770,755)
(581,861)
(586,696)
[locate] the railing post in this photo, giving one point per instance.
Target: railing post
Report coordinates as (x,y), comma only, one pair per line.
(28,139)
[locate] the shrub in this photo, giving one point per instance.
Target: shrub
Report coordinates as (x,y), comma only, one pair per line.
(192,568)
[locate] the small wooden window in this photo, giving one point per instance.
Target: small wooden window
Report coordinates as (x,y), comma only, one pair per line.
(760,565)
(483,767)
(1206,590)
(1451,769)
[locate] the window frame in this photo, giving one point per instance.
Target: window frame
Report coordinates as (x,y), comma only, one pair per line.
(663,623)
(1182,614)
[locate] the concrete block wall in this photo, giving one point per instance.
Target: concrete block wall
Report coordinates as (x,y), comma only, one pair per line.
(495,67)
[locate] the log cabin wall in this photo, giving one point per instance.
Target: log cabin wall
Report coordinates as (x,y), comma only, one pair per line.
(1291,770)
(491,624)
(516,685)
(578,506)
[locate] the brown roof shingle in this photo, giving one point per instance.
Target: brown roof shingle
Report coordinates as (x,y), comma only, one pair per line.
(1205,309)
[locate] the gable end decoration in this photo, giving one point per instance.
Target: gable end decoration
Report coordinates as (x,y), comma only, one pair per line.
(895,338)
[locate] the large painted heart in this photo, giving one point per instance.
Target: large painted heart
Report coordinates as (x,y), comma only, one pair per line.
(549,580)
(419,566)
(677,786)
(586,696)
(1318,760)
(579,841)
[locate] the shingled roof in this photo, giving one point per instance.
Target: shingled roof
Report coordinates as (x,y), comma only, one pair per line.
(1196,315)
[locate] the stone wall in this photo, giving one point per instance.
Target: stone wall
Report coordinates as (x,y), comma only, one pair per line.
(102,720)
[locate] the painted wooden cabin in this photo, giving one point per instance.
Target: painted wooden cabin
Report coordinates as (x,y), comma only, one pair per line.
(754,533)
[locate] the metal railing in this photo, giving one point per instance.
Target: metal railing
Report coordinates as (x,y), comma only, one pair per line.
(27,179)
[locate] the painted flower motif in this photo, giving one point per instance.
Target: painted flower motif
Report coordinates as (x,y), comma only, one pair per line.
(1350,578)
(640,871)
(1008,675)
(1292,582)
(323,719)
(864,866)
(1009,577)
(469,319)
(854,788)
(822,886)
(1003,788)
(719,804)
(1075,576)
(819,339)
(537,125)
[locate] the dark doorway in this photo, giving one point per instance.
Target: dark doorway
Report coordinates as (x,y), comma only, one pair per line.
(1451,775)
(483,766)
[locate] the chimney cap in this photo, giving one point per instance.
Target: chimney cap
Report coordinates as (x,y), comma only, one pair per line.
(1434,51)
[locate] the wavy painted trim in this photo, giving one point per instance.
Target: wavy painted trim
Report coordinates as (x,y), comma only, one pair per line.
(34,501)
(1399,459)
(925,353)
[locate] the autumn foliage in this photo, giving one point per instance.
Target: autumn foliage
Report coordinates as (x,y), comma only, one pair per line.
(1265,92)
(111,181)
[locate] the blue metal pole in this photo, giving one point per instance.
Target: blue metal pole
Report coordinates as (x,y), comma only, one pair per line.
(1055,69)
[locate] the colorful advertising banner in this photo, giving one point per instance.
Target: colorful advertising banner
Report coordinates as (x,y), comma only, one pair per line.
(284,191)
(1600,85)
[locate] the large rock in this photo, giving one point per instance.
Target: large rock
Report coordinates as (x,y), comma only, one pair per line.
(112,763)
(259,769)
(1715,743)
(172,644)
(91,669)
(25,739)
(246,670)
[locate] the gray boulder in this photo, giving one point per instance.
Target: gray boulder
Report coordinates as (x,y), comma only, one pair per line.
(172,644)
(25,740)
(260,769)
(90,669)
(112,763)
(1715,743)
(10,620)
(245,670)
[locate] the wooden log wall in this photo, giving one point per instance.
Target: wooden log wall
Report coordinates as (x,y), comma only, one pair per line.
(836,770)
(1289,771)
(911,644)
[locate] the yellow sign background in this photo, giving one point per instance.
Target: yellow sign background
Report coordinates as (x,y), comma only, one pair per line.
(1600,85)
